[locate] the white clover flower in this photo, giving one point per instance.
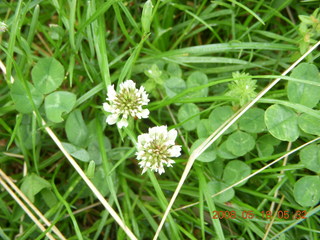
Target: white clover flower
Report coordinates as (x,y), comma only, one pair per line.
(3,27)
(127,102)
(154,149)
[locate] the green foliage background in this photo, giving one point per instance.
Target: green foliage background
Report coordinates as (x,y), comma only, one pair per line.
(200,62)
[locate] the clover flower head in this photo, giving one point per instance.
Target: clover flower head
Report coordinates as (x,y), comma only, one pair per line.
(154,149)
(243,87)
(3,27)
(126,103)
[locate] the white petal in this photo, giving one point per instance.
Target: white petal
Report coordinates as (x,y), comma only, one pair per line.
(154,167)
(112,119)
(111,93)
(174,151)
(142,164)
(144,170)
(158,130)
(122,123)
(107,107)
(129,84)
(139,154)
(143,138)
(170,162)
(144,96)
(172,135)
(160,170)
(145,113)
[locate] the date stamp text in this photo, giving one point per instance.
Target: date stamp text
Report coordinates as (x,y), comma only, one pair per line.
(263,214)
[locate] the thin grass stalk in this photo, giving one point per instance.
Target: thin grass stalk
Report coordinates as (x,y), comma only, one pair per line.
(25,209)
(275,195)
(31,205)
(88,182)
(272,220)
(207,143)
(309,214)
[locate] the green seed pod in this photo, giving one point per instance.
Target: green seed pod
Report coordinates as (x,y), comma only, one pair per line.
(146,16)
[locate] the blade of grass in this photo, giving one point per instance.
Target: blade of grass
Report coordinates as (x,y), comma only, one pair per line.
(122,26)
(248,10)
(13,34)
(309,214)
(31,205)
(163,202)
(88,182)
(211,205)
(146,214)
(25,209)
(126,70)
(98,32)
(95,14)
(67,206)
(269,225)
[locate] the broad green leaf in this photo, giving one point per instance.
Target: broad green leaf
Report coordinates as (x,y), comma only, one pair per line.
(264,150)
(174,70)
(58,103)
(307,191)
(33,184)
(118,153)
(216,168)
(26,133)
(77,152)
(235,171)
(94,149)
(224,153)
(174,85)
(149,85)
(47,75)
(282,123)
(99,119)
(99,180)
(253,121)
(185,112)
(20,97)
(265,145)
(76,129)
(208,155)
(49,198)
(239,143)
(154,73)
(203,128)
(269,139)
(309,124)
(219,115)
(310,157)
(197,79)
(303,93)
(215,187)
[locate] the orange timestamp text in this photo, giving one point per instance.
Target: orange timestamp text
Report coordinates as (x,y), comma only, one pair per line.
(263,214)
